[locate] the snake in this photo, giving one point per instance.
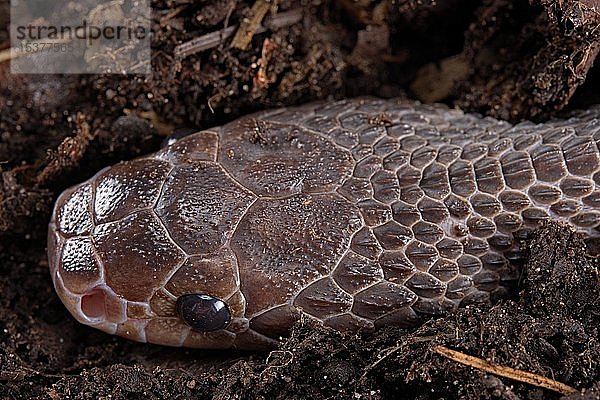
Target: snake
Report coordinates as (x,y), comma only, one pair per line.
(358,213)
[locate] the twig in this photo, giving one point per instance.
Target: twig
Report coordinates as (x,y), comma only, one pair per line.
(388,352)
(504,371)
(203,42)
(229,12)
(213,39)
(69,152)
(248,27)
(172,14)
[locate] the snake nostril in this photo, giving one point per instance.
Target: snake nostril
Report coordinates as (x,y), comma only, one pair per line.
(93,304)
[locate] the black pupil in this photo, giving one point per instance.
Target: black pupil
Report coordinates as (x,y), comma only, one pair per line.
(202,312)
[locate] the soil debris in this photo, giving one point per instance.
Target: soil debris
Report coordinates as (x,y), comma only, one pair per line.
(516,60)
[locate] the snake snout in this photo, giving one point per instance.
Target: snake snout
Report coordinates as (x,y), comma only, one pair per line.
(72,258)
(98,307)
(101,308)
(74,264)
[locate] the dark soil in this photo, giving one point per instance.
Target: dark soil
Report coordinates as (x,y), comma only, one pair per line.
(512,60)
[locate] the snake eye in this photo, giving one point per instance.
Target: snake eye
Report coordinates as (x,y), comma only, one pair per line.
(202,312)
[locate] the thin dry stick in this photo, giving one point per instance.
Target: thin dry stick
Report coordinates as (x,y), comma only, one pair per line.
(213,39)
(248,28)
(203,42)
(504,371)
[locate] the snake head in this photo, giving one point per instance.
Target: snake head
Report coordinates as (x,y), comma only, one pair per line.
(138,251)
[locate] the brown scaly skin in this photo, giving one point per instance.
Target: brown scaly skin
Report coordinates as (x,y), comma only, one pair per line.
(359,213)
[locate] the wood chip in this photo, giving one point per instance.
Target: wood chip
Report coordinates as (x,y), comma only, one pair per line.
(213,39)
(248,27)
